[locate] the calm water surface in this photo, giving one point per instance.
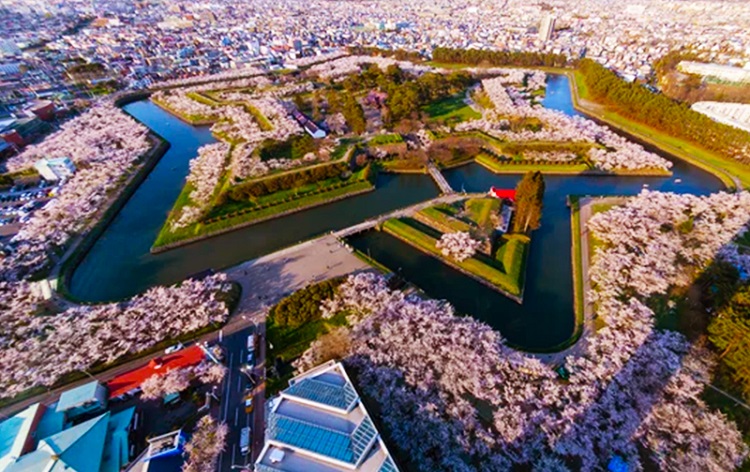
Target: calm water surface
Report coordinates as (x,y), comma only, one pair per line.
(120,265)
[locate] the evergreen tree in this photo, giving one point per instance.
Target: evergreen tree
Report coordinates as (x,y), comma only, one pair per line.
(529,196)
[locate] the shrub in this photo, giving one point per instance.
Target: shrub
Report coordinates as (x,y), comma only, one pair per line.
(303,306)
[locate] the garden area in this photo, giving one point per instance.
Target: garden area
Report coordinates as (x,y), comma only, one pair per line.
(292,326)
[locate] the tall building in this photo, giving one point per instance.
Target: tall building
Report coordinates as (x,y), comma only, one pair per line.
(319,424)
(547,27)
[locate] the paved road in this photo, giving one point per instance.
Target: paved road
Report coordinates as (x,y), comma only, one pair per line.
(232,408)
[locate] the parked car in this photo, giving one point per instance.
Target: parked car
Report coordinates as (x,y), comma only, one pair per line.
(245,440)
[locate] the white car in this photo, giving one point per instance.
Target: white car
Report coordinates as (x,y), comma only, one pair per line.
(174,348)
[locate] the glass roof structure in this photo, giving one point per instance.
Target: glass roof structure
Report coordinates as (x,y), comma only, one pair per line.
(319,391)
(318,424)
(311,437)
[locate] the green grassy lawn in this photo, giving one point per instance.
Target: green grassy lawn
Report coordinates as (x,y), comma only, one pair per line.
(492,271)
(195,120)
(456,66)
(201,98)
(481,98)
(481,209)
(594,243)
(260,118)
(451,109)
(391,138)
(442,220)
(499,167)
(514,167)
(289,343)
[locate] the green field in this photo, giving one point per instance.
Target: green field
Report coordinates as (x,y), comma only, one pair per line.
(498,167)
(382,139)
(442,219)
(289,343)
(411,166)
(506,273)
(451,110)
(481,209)
(513,167)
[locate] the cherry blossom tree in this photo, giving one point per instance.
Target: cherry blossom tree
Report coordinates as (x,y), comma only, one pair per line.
(459,245)
(204,447)
(39,350)
(161,385)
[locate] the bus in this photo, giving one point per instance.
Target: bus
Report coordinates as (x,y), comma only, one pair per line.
(245,440)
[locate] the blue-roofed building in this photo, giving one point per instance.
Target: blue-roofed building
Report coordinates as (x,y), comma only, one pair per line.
(36,440)
(319,424)
(89,398)
(17,434)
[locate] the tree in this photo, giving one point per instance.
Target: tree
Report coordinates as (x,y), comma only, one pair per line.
(529,201)
(203,449)
(403,101)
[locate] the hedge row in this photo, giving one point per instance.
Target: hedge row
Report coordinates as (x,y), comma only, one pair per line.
(273,184)
(280,202)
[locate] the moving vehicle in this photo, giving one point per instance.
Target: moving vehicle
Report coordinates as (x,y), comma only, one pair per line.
(174,348)
(245,440)
(249,401)
(252,342)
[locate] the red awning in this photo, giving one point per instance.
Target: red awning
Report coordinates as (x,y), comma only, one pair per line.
(501,193)
(131,380)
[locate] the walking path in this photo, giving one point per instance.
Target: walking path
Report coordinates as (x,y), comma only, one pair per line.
(439,178)
(585,213)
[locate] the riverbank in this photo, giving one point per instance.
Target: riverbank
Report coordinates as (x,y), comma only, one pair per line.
(165,243)
(731,173)
(193,121)
(496,167)
(509,284)
(75,254)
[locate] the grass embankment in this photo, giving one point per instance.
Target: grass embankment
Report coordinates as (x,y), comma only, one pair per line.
(457,66)
(195,120)
(403,166)
(504,272)
(514,166)
(577,253)
(452,109)
(723,168)
(233,215)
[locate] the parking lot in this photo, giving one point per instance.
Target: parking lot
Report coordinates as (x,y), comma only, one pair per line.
(18,204)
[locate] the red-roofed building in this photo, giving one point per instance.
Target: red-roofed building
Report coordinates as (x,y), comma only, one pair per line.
(132,380)
(503,194)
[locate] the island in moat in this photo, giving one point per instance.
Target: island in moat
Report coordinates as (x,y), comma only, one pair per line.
(292,142)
